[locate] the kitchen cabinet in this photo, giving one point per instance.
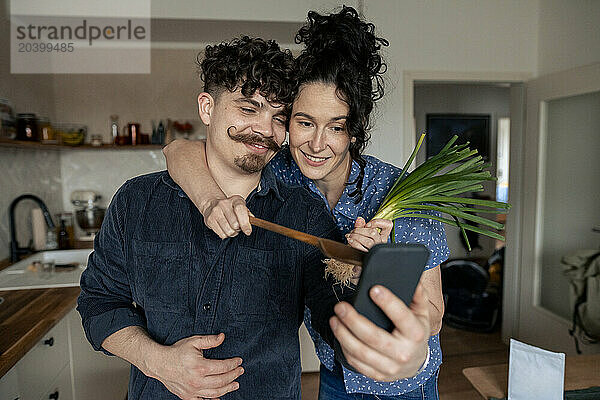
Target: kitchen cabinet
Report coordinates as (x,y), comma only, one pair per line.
(61,388)
(63,365)
(9,385)
(40,367)
(92,370)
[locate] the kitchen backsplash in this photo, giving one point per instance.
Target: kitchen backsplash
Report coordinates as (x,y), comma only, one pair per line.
(26,171)
(104,171)
(53,175)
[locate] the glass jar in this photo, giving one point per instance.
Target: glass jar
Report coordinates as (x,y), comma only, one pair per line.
(7,120)
(45,131)
(27,127)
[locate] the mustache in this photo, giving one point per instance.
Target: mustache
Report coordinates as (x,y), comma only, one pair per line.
(252,138)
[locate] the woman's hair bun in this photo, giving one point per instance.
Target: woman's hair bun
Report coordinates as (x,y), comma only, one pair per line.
(345,36)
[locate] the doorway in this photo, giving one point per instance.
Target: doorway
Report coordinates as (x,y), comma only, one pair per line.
(502,97)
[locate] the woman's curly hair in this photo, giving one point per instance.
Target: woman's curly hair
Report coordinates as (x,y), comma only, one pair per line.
(343,50)
(250,64)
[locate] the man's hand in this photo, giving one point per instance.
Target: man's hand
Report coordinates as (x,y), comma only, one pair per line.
(373,351)
(185,372)
(227,216)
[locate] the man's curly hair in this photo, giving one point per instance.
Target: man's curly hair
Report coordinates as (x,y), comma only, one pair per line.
(250,64)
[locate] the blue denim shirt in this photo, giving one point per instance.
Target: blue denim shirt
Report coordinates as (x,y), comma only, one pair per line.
(378,179)
(156,265)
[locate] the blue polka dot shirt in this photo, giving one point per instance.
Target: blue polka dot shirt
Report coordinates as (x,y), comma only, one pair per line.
(378,179)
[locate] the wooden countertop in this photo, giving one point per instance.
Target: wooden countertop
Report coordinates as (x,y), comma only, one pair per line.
(26,316)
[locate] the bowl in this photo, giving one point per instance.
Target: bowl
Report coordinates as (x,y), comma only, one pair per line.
(90,219)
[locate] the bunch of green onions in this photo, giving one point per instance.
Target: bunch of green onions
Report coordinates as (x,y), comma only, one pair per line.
(427,188)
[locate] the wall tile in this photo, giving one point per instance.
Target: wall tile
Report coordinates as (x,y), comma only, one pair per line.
(27,171)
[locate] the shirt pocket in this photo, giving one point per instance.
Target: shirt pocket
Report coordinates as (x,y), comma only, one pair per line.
(265,284)
(162,272)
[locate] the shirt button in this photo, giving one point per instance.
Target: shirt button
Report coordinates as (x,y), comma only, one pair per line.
(206,307)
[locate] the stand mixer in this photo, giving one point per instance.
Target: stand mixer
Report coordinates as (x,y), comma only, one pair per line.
(87,212)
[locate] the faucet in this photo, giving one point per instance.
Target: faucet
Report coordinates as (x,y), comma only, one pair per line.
(15,250)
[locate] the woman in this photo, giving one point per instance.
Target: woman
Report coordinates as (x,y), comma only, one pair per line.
(339,75)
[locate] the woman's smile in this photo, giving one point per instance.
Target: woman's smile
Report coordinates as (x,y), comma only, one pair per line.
(314,160)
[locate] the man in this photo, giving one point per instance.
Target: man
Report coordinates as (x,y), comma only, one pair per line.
(186,308)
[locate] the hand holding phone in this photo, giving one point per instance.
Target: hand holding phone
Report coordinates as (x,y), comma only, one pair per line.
(398,267)
(386,344)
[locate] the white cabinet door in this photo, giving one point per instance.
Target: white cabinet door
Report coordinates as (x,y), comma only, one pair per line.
(42,364)
(96,376)
(9,385)
(61,388)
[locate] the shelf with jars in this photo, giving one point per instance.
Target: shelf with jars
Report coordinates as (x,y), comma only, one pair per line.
(29,131)
(23,144)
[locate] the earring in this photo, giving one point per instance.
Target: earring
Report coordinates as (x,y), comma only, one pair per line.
(353,140)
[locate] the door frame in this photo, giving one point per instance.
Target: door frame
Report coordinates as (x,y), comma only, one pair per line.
(511,291)
(572,82)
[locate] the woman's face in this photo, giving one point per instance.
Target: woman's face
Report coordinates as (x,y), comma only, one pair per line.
(319,141)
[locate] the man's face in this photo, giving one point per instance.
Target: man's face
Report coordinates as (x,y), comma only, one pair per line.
(245,132)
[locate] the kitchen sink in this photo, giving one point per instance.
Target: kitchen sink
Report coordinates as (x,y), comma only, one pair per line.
(22,276)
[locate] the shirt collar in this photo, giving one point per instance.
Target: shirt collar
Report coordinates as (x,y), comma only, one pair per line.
(267,183)
(166,178)
(346,204)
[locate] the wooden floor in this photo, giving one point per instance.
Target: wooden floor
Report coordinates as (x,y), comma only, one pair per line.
(460,349)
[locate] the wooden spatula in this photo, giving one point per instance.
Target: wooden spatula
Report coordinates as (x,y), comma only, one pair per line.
(330,248)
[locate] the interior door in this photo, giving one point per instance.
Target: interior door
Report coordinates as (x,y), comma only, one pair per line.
(559,199)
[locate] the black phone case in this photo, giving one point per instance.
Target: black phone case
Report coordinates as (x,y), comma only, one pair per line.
(398,267)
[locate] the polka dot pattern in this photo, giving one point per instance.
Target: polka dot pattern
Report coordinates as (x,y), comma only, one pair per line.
(379,178)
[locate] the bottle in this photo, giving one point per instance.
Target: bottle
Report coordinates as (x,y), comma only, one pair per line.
(63,237)
(114,127)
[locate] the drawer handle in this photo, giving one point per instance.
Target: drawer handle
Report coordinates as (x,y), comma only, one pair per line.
(50,342)
(54,396)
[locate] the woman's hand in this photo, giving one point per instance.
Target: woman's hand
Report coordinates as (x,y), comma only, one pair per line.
(186,163)
(366,235)
(228,216)
(376,353)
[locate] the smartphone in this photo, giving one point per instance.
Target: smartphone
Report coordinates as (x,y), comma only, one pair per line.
(396,266)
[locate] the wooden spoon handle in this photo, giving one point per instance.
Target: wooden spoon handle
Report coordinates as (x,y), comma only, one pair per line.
(291,233)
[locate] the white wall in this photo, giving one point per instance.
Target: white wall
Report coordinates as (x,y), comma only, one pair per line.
(170,90)
(464,99)
(25,171)
(449,36)
(572,190)
(263,10)
(569,34)
(27,92)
